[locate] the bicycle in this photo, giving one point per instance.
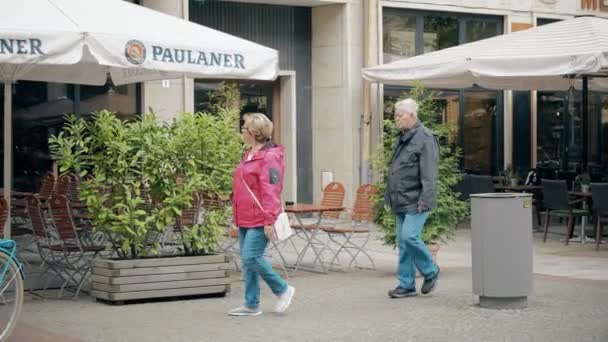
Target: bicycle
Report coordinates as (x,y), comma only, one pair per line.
(11,288)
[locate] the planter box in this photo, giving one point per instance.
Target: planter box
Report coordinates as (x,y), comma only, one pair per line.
(123,280)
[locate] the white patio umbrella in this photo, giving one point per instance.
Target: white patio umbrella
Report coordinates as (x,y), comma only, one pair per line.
(566,55)
(84,41)
(540,58)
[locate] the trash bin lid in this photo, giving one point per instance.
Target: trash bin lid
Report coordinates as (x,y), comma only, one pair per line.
(502,195)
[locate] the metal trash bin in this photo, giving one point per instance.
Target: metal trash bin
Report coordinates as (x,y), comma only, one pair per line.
(501,249)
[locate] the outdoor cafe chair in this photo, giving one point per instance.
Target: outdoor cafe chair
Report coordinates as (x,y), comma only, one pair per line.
(353,239)
(557,203)
(599,195)
(79,244)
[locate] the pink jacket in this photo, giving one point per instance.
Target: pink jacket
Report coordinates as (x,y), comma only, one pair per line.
(264,176)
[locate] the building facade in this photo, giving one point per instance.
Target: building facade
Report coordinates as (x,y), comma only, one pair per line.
(328,118)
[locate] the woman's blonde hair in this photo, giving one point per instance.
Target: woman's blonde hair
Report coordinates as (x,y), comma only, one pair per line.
(259,126)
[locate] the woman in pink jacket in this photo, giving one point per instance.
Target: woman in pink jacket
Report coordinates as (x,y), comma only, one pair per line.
(259,175)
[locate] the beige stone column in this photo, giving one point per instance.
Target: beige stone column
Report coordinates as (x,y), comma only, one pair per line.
(168,98)
(337,100)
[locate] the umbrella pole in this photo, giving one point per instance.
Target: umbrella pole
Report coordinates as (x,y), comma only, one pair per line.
(8,152)
(585,113)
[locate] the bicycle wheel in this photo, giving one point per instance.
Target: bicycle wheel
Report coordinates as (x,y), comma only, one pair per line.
(11,296)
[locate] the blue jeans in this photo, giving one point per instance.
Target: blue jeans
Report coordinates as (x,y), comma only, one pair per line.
(412,250)
(252,242)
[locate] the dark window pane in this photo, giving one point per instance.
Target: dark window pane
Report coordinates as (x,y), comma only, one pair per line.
(38,110)
(447,102)
(551,125)
(119,99)
(440,33)
(399,37)
(254,97)
(545,21)
(604,132)
(480,29)
(479,111)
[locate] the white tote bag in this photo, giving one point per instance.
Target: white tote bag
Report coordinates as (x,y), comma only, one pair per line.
(282,228)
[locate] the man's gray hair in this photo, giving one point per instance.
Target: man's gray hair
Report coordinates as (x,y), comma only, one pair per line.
(406,106)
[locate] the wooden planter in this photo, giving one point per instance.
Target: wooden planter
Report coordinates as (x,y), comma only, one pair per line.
(124,280)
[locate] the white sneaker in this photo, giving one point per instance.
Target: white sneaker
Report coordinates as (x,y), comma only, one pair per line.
(245,311)
(285,300)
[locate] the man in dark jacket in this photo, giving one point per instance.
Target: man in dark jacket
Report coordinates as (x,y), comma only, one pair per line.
(411,193)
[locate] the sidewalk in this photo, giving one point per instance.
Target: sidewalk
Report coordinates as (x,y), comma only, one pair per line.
(569,303)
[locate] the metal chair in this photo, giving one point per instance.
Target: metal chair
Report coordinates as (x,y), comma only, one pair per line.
(49,246)
(79,245)
(190,216)
(363,216)
(480,184)
(557,203)
(599,194)
(333,195)
(47,186)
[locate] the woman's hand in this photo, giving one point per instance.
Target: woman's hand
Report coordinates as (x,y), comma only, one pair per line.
(269,232)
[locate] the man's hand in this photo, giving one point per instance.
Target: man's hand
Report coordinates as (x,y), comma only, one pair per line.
(269,232)
(421,207)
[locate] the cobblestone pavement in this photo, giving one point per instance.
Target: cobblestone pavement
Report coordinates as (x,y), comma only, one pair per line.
(569,303)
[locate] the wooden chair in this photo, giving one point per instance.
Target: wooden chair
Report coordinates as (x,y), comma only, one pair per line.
(189,217)
(49,246)
(557,203)
(362,218)
(62,186)
(3,212)
(599,193)
(213,201)
(333,195)
(47,186)
(79,246)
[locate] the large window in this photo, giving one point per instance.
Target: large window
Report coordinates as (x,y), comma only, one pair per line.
(254,97)
(408,33)
(440,32)
(560,128)
(480,109)
(38,112)
(474,116)
(399,37)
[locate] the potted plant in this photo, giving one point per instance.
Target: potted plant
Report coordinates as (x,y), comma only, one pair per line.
(511,177)
(140,177)
(450,210)
(584,181)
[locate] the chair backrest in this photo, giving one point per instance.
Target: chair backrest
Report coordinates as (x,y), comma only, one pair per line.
(47,185)
(62,217)
(74,188)
(480,184)
(62,186)
(364,203)
(599,193)
(212,201)
(463,187)
(190,215)
(555,194)
(333,195)
(34,211)
(3,212)
(568,176)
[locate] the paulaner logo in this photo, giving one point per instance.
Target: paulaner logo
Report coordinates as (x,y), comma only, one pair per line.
(31,46)
(135,51)
(207,58)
